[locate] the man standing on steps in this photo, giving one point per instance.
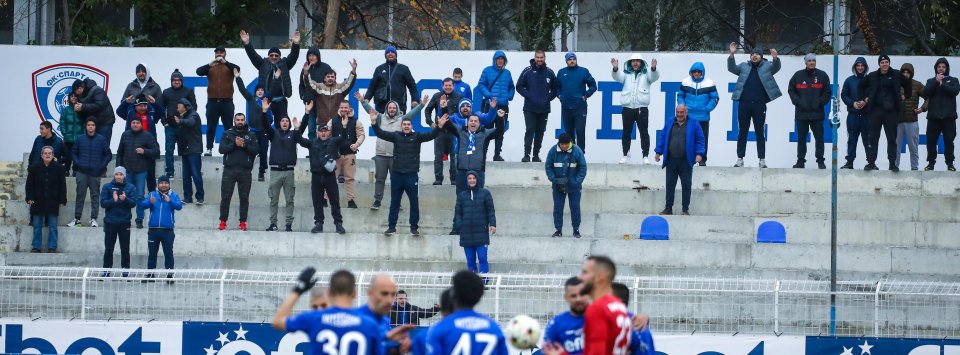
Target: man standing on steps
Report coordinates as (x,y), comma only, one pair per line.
(94,105)
(390,121)
(575,86)
(324,151)
(137,150)
(163,204)
(941,91)
(857,119)
(46,138)
(637,77)
(189,146)
(755,88)
(219,73)
(239,147)
(496,82)
(143,84)
(699,94)
(681,144)
(46,193)
(474,217)
(266,67)
(406,164)
(168,100)
(566,169)
(443,145)
(327,95)
(260,119)
(538,86)
(810,91)
(117,198)
(908,129)
(149,112)
(389,81)
(283,159)
(90,157)
(353,137)
(469,130)
(882,92)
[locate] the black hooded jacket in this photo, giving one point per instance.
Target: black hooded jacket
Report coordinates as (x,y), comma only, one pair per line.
(882,91)
(316,71)
(942,97)
(96,104)
(189,138)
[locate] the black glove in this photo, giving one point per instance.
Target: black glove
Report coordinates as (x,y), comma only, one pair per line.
(305,281)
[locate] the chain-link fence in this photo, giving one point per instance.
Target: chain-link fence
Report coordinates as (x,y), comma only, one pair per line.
(676,305)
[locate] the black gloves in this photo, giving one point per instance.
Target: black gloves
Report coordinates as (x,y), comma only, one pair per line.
(305,281)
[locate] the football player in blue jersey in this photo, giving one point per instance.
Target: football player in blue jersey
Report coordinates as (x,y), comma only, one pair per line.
(566,329)
(380,295)
(466,332)
(338,330)
(641,341)
(419,343)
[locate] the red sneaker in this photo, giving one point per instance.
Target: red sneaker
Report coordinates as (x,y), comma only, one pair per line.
(223,225)
(243,226)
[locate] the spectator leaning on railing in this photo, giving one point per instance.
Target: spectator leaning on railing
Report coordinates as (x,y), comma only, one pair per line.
(403,312)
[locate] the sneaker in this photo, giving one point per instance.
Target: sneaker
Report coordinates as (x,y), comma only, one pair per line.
(763,164)
(148,279)
(170,279)
(34,250)
(894,168)
(536,159)
(340,179)
(798,165)
(75,223)
(288,228)
(703,163)
(438,183)
(272,227)
(208,152)
(870,167)
(497,158)
(929,167)
(375,205)
(646,161)
(139,224)
(685,212)
(821,165)
(351,204)
(187,201)
(389,231)
(453,181)
(199,201)
(260,177)
(951,168)
(624,159)
(243,226)
(415,231)
(93,223)
(848,165)
(739,163)
(340,229)
(666,212)
(576,234)
(52,250)
(317,228)
(557,234)
(525,159)
(223,225)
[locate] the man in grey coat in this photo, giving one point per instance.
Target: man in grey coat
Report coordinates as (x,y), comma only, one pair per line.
(755,88)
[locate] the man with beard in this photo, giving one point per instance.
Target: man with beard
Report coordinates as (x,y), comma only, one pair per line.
(538,86)
(163,204)
(380,295)
(137,151)
(143,84)
(168,100)
(941,91)
(324,151)
(566,329)
(756,86)
(443,145)
(219,73)
(189,146)
(389,81)
(278,94)
(93,104)
(882,92)
(390,121)
(857,120)
(239,147)
(315,68)
(327,95)
(810,91)
(283,159)
(260,119)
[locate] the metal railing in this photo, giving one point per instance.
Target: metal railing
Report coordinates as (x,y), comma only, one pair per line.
(887,308)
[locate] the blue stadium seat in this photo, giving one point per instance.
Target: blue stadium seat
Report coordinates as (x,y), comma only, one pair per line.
(771,232)
(655,228)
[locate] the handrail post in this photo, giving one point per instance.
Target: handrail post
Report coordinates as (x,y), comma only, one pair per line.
(776,308)
(223,280)
(496,300)
(83,294)
(876,310)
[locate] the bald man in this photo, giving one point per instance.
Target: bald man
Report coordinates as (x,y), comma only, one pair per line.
(681,145)
(380,295)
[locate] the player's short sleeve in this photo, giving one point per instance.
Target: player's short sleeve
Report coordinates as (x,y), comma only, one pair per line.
(298,322)
(548,335)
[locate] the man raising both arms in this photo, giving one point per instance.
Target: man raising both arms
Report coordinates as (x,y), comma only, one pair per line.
(606,328)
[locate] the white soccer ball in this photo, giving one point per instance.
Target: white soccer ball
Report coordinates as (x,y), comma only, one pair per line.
(523,332)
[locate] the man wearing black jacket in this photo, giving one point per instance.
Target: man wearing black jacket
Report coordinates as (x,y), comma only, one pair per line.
(941,93)
(538,86)
(283,159)
(881,90)
(809,91)
(443,145)
(403,312)
(406,165)
(137,151)
(324,151)
(94,105)
(389,81)
(168,100)
(258,107)
(268,65)
(239,147)
(189,146)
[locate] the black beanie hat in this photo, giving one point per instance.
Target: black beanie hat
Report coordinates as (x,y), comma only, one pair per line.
(882,57)
(176,75)
(274,50)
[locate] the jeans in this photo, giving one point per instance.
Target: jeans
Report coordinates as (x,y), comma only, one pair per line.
(263,144)
(155,239)
(477,253)
(558,200)
(111,233)
(281,180)
(536,125)
(106,131)
(640,117)
(192,176)
(909,132)
(462,180)
(857,127)
(705,125)
(757,111)
(51,220)
(382,166)
(139,181)
(936,127)
(67,158)
(87,182)
(169,147)
(218,111)
(575,124)
(401,183)
(678,168)
(803,128)
(321,183)
(242,178)
(443,144)
(886,120)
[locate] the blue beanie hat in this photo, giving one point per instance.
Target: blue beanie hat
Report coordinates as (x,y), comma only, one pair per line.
(570,55)
(390,49)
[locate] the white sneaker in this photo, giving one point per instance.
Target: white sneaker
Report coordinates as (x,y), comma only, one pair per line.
(208,153)
(93,223)
(739,163)
(624,159)
(763,164)
(646,161)
(75,223)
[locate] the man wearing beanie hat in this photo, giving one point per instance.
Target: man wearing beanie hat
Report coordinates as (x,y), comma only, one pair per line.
(755,88)
(189,146)
(857,120)
(272,68)
(168,100)
(148,112)
(941,91)
(117,197)
(219,73)
(163,204)
(389,81)
(810,91)
(575,86)
(566,168)
(137,153)
(142,84)
(882,92)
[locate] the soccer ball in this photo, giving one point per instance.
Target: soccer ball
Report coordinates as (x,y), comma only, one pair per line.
(523,332)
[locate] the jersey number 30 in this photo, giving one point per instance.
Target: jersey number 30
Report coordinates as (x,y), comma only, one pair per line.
(329,340)
(464,345)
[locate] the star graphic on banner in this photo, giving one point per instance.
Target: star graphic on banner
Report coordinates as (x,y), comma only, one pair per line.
(847,351)
(865,348)
(241,334)
(223,339)
(210,350)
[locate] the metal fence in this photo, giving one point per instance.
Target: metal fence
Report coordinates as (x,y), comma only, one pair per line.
(675,304)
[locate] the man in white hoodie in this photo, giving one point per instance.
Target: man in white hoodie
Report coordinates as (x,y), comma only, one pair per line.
(637,77)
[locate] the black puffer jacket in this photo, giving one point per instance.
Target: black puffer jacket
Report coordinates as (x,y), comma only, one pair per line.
(882,91)
(96,104)
(46,187)
(406,147)
(942,97)
(474,215)
(266,68)
(127,156)
(324,151)
(283,146)
(189,138)
(235,156)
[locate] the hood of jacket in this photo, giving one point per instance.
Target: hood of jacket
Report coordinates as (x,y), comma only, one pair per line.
(534,65)
(908,67)
(499,54)
(386,112)
(698,66)
(475,187)
(628,67)
(315,51)
(866,67)
(89,84)
(186,104)
(145,80)
(944,61)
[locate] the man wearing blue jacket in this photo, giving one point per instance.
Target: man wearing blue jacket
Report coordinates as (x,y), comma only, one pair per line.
(538,86)
(162,204)
(117,198)
(857,120)
(755,88)
(90,157)
(699,94)
(681,145)
(496,82)
(566,168)
(576,85)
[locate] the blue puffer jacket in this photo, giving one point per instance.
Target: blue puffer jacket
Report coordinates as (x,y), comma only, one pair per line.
(571,89)
(700,96)
(850,92)
(570,163)
(473,216)
(500,88)
(696,145)
(118,212)
(161,212)
(91,154)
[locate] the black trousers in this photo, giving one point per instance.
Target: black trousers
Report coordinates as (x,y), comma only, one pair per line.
(886,120)
(639,117)
(218,111)
(536,125)
(756,111)
(67,158)
(111,233)
(242,178)
(705,125)
(803,128)
(678,168)
(279,110)
(321,183)
(500,124)
(443,144)
(946,127)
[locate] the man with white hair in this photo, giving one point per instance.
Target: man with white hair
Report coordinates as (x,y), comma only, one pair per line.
(681,145)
